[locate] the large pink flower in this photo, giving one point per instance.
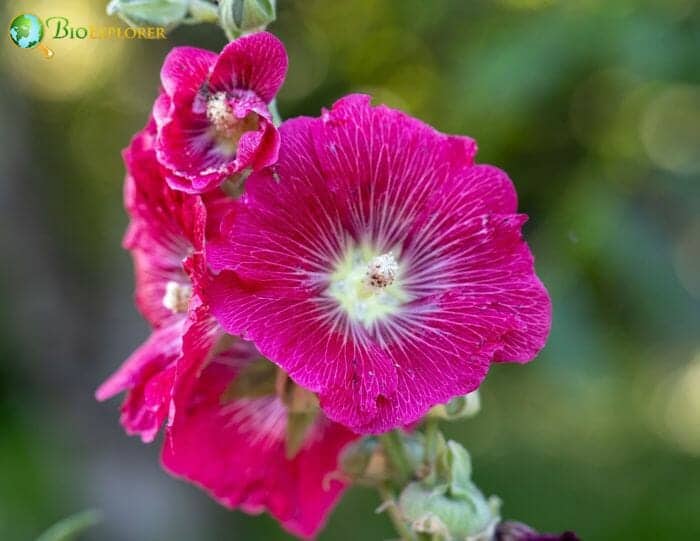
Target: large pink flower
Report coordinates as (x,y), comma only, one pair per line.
(212,115)
(235,450)
(379,266)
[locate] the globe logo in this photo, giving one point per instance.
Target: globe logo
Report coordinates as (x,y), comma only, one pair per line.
(27,31)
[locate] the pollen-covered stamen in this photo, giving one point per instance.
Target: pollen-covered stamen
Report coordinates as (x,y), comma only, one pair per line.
(381,271)
(228,127)
(177,297)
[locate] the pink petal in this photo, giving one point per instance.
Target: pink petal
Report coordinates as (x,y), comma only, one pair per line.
(147,377)
(184,71)
(145,408)
(256,62)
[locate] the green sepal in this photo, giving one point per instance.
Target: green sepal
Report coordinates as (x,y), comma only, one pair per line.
(256,380)
(298,426)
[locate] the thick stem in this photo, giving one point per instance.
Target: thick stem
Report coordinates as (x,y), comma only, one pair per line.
(432,431)
(432,434)
(389,505)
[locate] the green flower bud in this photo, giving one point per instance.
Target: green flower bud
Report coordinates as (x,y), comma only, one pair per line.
(451,506)
(458,408)
(238,17)
(166,13)
(434,511)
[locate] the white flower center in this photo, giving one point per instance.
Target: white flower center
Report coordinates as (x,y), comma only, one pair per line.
(367,285)
(177,297)
(228,128)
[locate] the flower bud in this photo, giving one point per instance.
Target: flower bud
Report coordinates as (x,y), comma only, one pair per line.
(458,407)
(435,511)
(238,17)
(166,13)
(450,506)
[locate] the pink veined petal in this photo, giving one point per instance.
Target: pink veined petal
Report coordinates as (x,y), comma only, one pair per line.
(485,260)
(145,408)
(274,241)
(259,149)
(256,62)
(184,71)
(162,109)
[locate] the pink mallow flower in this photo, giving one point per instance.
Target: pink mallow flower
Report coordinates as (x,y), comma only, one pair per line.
(235,449)
(379,266)
(166,230)
(212,114)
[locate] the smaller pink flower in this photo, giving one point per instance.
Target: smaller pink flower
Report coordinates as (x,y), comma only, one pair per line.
(235,449)
(212,115)
(165,237)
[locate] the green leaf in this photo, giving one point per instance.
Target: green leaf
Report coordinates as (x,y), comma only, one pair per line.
(69,528)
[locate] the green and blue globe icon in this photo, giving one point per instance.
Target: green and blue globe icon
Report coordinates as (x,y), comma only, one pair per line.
(27,31)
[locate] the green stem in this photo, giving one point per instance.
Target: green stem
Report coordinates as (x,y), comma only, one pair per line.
(395,452)
(432,434)
(389,505)
(432,430)
(272,107)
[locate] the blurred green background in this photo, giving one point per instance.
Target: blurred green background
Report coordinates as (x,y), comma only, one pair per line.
(592,106)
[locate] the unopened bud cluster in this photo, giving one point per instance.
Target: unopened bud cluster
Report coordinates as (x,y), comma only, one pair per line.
(236,17)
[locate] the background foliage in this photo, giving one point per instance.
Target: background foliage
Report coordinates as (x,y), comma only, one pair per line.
(592,106)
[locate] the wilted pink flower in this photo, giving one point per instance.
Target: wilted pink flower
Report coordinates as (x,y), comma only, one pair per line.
(212,115)
(235,448)
(379,266)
